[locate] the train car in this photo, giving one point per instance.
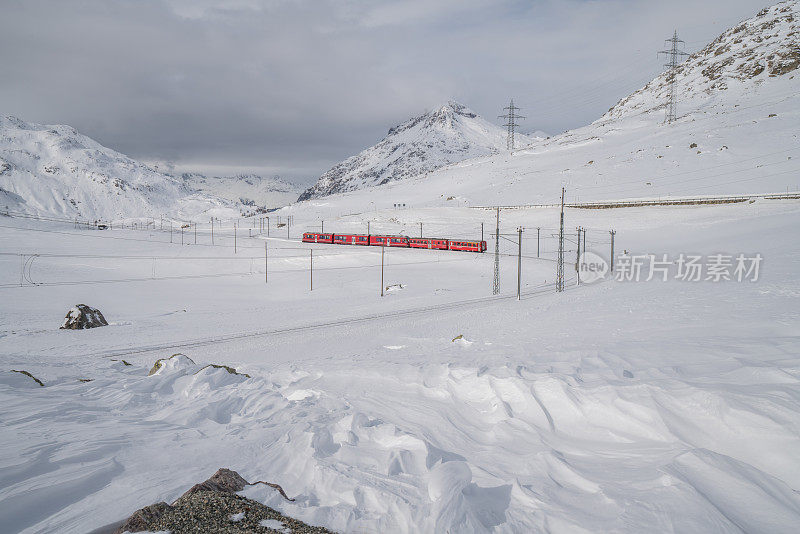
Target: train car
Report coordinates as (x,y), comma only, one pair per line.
(350,239)
(388,241)
(428,242)
(311,237)
(434,243)
(468,246)
(343,239)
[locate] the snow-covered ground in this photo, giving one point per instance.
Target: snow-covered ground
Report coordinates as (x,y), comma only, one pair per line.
(614,406)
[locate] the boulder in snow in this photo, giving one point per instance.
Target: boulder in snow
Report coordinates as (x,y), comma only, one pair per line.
(82,316)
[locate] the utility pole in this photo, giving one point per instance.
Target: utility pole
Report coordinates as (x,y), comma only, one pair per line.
(511,122)
(560,263)
(481,231)
(584,240)
(672,63)
(519,265)
(181,235)
(212,230)
(420,229)
(538,232)
(195,233)
(287,227)
(234,238)
(368,228)
(170,231)
(496,280)
(266,279)
(267,226)
(612,232)
(323,226)
(578,258)
(383,249)
(311,270)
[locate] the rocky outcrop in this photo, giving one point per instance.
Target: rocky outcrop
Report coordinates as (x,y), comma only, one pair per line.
(222,480)
(179,358)
(142,519)
(762,47)
(82,317)
(26,373)
(213,506)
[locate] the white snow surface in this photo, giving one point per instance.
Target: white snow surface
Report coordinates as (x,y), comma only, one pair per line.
(660,406)
(53,170)
(416,147)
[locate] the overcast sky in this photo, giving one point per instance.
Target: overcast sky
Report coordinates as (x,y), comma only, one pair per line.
(292,87)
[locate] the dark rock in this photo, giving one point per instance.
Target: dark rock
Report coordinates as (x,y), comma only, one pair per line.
(230,370)
(160,362)
(209,506)
(222,480)
(26,373)
(142,519)
(82,316)
(211,511)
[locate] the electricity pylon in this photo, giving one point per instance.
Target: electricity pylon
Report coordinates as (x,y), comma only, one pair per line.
(511,122)
(672,53)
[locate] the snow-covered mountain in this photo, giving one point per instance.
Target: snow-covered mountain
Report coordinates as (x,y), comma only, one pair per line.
(420,145)
(737,128)
(55,170)
(765,46)
(248,189)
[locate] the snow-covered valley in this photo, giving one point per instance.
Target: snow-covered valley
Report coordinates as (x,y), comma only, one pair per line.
(612,406)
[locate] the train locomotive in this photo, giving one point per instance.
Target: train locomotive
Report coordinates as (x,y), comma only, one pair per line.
(434,243)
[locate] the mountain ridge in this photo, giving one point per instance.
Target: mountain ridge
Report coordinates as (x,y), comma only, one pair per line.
(55,170)
(417,146)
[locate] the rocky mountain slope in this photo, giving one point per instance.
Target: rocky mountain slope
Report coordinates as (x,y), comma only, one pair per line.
(249,189)
(55,170)
(420,145)
(765,46)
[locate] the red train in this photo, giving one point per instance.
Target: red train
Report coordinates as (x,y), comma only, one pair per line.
(395,241)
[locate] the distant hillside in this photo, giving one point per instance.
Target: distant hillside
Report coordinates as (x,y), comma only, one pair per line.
(55,170)
(420,145)
(249,189)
